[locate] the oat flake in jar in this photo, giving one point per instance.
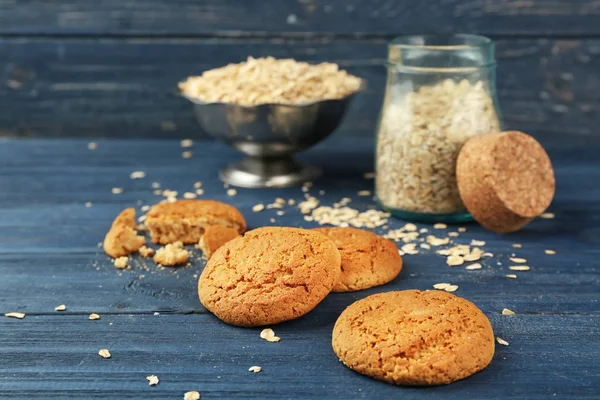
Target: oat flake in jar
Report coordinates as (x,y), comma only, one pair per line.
(440,92)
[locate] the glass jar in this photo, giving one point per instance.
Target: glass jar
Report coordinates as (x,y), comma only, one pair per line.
(440,92)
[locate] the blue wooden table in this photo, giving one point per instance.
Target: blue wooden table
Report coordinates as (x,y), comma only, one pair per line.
(49,255)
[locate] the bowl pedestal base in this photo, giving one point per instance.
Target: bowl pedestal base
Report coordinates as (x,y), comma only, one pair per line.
(262,172)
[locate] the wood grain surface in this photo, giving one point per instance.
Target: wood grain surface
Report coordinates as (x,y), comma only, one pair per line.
(49,255)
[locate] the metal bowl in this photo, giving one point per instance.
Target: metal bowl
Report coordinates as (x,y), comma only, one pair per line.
(270,134)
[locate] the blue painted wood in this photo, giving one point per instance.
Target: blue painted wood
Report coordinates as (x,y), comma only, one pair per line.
(49,256)
(126,87)
(299,17)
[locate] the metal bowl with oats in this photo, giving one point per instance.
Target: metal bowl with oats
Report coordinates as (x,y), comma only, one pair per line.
(270,110)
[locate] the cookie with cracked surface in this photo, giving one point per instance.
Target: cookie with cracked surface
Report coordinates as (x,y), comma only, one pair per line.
(414,338)
(269,275)
(215,237)
(122,238)
(368,260)
(186,220)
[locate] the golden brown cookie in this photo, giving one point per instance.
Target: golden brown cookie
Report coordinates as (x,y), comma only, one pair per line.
(414,338)
(367,259)
(186,220)
(214,237)
(269,275)
(122,238)
(171,255)
(504,179)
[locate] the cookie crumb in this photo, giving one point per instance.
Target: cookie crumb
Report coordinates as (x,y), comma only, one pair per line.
(231,192)
(145,208)
(272,220)
(137,175)
(473,267)
(121,262)
(146,251)
(117,190)
(186,143)
(477,242)
(92,146)
(453,234)
(104,353)
(547,215)
(156,313)
(171,255)
(506,311)
(440,226)
(369,175)
(517,245)
(258,207)
(152,380)
(518,260)
(454,260)
(155,185)
(511,276)
(502,341)
(364,193)
(186,154)
(94,317)
(192,395)
(550,252)
(291,202)
(88,204)
(15,315)
(462,229)
(519,268)
(255,369)
(61,307)
(197,185)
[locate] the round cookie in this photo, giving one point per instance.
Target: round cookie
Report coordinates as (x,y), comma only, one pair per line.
(414,338)
(269,275)
(368,260)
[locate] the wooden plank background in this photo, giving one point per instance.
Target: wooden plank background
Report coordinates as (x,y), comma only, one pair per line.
(89,68)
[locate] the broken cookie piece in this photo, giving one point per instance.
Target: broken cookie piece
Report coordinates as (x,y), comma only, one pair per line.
(187,220)
(171,255)
(214,237)
(122,238)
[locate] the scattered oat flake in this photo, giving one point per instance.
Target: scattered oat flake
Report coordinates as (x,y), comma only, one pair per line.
(454,261)
(199,192)
(272,220)
(518,260)
(15,315)
(155,185)
(506,311)
(186,143)
(186,154)
(152,380)
(94,316)
(88,204)
(369,175)
(189,195)
(104,353)
(61,307)
(192,395)
(519,268)
(410,248)
(511,276)
(92,146)
(291,202)
(462,229)
(425,246)
(258,207)
(477,242)
(117,190)
(517,245)
(440,226)
(156,313)
(451,288)
(473,267)
(269,335)
(231,192)
(502,341)
(441,286)
(364,193)
(197,185)
(453,234)
(434,241)
(550,252)
(547,215)
(137,175)
(255,369)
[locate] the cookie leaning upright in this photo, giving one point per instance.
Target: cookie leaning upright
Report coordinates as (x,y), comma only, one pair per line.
(504,179)
(414,338)
(122,238)
(269,275)
(368,260)
(186,220)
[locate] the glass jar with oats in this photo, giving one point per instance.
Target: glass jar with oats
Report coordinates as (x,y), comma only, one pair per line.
(440,92)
